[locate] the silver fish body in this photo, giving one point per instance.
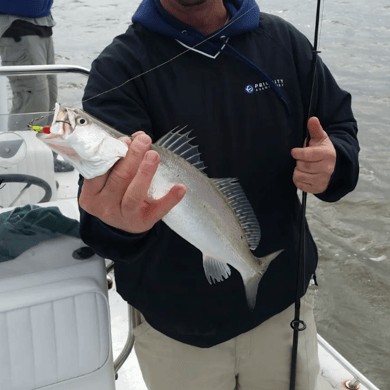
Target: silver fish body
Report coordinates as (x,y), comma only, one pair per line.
(214,215)
(207,220)
(204,217)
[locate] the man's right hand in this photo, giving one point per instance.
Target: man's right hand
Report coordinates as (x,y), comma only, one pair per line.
(119,197)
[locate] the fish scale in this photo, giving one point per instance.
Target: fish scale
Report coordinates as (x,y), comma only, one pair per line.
(201,206)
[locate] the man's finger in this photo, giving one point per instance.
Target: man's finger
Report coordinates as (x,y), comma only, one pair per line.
(138,189)
(304,187)
(312,154)
(160,207)
(310,188)
(309,167)
(127,167)
(92,187)
(137,133)
(317,133)
(304,177)
(125,139)
(317,182)
(137,150)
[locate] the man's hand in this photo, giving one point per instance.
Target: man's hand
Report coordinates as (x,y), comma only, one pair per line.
(119,197)
(316,162)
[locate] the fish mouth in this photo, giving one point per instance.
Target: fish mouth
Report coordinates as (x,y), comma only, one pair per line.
(68,123)
(64,123)
(60,130)
(64,151)
(58,144)
(49,137)
(62,116)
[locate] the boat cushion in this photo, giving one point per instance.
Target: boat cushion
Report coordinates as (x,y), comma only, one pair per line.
(52,333)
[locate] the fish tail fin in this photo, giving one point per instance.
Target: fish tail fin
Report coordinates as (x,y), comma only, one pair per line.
(251,283)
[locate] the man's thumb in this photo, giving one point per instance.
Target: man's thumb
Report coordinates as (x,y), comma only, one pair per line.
(315,129)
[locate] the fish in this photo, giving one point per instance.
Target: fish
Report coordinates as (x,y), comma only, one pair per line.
(215,215)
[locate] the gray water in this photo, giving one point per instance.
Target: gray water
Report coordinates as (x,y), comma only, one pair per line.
(353,235)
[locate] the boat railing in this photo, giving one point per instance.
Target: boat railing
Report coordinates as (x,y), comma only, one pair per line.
(134,319)
(358,377)
(34,70)
(29,70)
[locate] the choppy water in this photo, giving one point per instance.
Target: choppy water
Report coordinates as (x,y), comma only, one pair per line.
(353,235)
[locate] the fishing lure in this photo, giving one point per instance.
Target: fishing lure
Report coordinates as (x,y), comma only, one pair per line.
(38,129)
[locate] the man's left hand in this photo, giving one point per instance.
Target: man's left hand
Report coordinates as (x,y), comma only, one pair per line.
(316,162)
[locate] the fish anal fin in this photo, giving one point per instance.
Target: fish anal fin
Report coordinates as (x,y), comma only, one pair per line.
(215,270)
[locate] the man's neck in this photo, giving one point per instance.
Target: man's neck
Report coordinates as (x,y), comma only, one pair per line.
(206,16)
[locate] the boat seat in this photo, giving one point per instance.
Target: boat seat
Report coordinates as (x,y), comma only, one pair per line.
(54,320)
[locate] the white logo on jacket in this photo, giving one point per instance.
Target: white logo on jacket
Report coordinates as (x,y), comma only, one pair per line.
(250,88)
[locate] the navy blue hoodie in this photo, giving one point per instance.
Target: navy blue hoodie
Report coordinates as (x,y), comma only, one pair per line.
(246,95)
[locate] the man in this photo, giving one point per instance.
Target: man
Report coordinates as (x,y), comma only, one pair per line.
(245,91)
(26,39)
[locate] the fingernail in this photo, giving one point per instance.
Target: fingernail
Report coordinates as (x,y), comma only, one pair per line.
(151,157)
(144,139)
(126,140)
(182,192)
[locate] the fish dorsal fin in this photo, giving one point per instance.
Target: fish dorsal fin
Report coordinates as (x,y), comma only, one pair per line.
(235,195)
(179,143)
(215,270)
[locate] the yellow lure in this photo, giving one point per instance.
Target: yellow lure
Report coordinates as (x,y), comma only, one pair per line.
(36,128)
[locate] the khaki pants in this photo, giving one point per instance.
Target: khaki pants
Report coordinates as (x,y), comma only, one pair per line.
(255,360)
(30,94)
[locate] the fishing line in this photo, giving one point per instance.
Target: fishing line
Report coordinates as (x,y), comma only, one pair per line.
(173,58)
(152,69)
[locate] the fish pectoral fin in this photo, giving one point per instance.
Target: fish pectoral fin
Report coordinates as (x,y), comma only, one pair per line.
(215,270)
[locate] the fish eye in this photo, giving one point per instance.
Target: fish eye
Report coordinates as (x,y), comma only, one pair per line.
(81,121)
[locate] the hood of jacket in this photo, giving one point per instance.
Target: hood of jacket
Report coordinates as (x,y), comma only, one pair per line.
(244,17)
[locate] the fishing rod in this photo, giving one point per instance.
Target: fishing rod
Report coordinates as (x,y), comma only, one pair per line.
(297,324)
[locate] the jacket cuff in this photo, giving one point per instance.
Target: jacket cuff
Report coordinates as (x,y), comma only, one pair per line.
(122,233)
(344,177)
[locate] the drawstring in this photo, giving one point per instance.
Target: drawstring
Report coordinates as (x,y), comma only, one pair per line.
(271,83)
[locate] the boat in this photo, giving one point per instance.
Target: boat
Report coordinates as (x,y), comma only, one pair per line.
(63,326)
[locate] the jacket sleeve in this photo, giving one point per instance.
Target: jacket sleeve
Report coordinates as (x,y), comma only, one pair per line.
(333,108)
(124,109)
